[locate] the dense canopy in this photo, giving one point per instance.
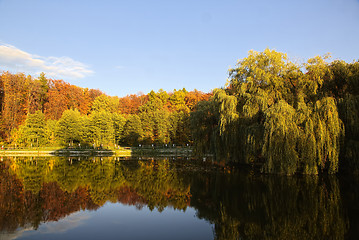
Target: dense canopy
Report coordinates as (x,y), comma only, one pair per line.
(46,112)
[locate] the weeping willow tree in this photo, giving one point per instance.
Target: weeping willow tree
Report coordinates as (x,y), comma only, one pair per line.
(277,113)
(203,124)
(344,84)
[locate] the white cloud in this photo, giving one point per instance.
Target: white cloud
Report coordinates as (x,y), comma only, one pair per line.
(72,221)
(63,225)
(14,59)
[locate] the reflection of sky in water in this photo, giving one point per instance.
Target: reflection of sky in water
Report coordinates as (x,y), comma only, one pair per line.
(62,226)
(117,221)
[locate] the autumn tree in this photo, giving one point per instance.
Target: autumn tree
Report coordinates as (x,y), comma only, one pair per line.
(130,104)
(195,96)
(57,99)
(15,101)
(63,96)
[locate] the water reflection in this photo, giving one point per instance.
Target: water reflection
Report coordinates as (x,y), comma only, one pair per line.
(239,204)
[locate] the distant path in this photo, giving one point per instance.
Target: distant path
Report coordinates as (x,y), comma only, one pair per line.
(126,152)
(90,152)
(25,153)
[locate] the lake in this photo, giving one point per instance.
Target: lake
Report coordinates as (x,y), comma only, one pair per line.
(169,198)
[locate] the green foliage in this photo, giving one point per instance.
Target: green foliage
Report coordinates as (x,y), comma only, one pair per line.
(33,132)
(132,133)
(262,79)
(203,124)
(179,131)
(177,100)
(347,92)
(118,125)
(155,118)
(280,139)
(105,103)
(274,114)
(101,128)
(44,88)
(227,108)
(51,126)
(155,126)
(69,127)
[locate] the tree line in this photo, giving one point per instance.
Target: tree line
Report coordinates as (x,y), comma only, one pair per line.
(285,116)
(46,112)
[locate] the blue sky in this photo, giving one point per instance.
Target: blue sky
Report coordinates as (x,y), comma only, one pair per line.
(125,47)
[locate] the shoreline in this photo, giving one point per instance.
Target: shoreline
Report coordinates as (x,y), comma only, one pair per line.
(126,152)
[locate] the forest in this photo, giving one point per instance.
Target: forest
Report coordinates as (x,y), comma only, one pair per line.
(46,112)
(285,116)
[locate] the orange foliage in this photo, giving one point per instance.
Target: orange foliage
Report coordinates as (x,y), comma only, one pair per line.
(15,96)
(193,97)
(63,96)
(131,103)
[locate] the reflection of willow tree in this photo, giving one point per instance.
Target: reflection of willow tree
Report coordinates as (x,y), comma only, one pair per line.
(270,207)
(350,187)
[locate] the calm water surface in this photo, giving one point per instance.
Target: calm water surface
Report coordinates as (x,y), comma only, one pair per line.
(167,198)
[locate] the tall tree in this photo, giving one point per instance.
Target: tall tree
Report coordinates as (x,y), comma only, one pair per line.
(15,101)
(130,104)
(274,112)
(69,127)
(118,124)
(154,116)
(102,128)
(132,133)
(33,133)
(44,87)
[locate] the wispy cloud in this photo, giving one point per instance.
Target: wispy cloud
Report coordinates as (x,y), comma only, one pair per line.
(14,59)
